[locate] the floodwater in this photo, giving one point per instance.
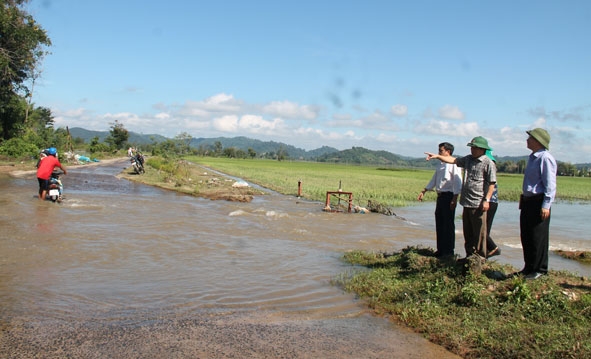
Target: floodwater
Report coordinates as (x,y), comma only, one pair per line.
(124,270)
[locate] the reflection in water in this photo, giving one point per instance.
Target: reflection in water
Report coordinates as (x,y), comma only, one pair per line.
(122,252)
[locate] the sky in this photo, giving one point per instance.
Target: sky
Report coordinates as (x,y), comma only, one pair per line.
(400,76)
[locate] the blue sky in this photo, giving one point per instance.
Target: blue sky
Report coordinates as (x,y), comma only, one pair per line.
(400,76)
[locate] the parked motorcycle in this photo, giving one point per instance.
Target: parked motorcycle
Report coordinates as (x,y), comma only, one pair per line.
(137,162)
(56,188)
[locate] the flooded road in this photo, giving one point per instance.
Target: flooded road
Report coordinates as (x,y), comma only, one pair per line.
(124,270)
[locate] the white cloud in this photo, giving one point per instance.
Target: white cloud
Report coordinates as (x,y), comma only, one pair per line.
(190,124)
(78,112)
(304,125)
(540,122)
(287,109)
(373,121)
(446,128)
(451,113)
(219,99)
(386,137)
(216,104)
(256,124)
(376,120)
(343,120)
(399,110)
(226,123)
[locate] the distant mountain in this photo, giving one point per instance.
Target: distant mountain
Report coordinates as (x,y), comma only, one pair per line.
(324,150)
(134,138)
(262,147)
(355,155)
(360,155)
(241,142)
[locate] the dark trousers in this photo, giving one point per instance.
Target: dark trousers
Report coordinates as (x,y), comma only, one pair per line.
(535,236)
(490,216)
(474,224)
(444,224)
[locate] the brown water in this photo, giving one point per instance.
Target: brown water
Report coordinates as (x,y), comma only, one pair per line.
(125,270)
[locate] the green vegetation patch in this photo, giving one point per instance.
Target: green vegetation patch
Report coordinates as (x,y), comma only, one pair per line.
(581,256)
(393,187)
(185,177)
(475,316)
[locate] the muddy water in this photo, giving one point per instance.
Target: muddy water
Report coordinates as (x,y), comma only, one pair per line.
(124,270)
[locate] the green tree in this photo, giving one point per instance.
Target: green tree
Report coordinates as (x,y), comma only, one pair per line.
(521,166)
(566,169)
(217,148)
(96,146)
(166,148)
(508,167)
(22,48)
(281,154)
(184,142)
(118,135)
(230,152)
(40,127)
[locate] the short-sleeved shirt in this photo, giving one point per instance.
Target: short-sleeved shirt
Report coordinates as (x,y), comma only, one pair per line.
(46,167)
(479,174)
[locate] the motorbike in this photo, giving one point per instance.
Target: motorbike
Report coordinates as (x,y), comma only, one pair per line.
(56,188)
(137,162)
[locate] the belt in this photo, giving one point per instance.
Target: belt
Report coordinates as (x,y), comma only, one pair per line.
(535,197)
(444,193)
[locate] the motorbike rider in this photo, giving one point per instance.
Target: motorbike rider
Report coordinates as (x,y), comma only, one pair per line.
(140,158)
(42,155)
(44,170)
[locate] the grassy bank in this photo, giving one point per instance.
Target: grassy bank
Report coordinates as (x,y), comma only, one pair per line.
(186,177)
(476,316)
(394,187)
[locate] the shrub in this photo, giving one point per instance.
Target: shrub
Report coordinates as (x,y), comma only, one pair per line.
(18,148)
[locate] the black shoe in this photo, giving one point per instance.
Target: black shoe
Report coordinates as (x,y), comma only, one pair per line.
(534,275)
(443,255)
(494,252)
(518,274)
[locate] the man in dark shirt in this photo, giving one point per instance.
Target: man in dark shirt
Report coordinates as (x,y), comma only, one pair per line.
(479,185)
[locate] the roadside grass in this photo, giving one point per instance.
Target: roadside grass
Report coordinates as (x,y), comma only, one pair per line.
(475,316)
(185,177)
(581,256)
(389,186)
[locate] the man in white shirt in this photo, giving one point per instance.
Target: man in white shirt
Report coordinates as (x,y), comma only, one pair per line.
(447,182)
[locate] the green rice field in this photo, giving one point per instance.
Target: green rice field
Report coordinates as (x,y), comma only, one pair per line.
(388,186)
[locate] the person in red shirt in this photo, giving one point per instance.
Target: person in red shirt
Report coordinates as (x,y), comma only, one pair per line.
(44,170)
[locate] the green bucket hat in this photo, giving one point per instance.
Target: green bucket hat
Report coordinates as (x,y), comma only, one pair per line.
(479,142)
(541,135)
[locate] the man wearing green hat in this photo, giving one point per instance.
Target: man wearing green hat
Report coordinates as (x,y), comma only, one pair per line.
(539,190)
(478,188)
